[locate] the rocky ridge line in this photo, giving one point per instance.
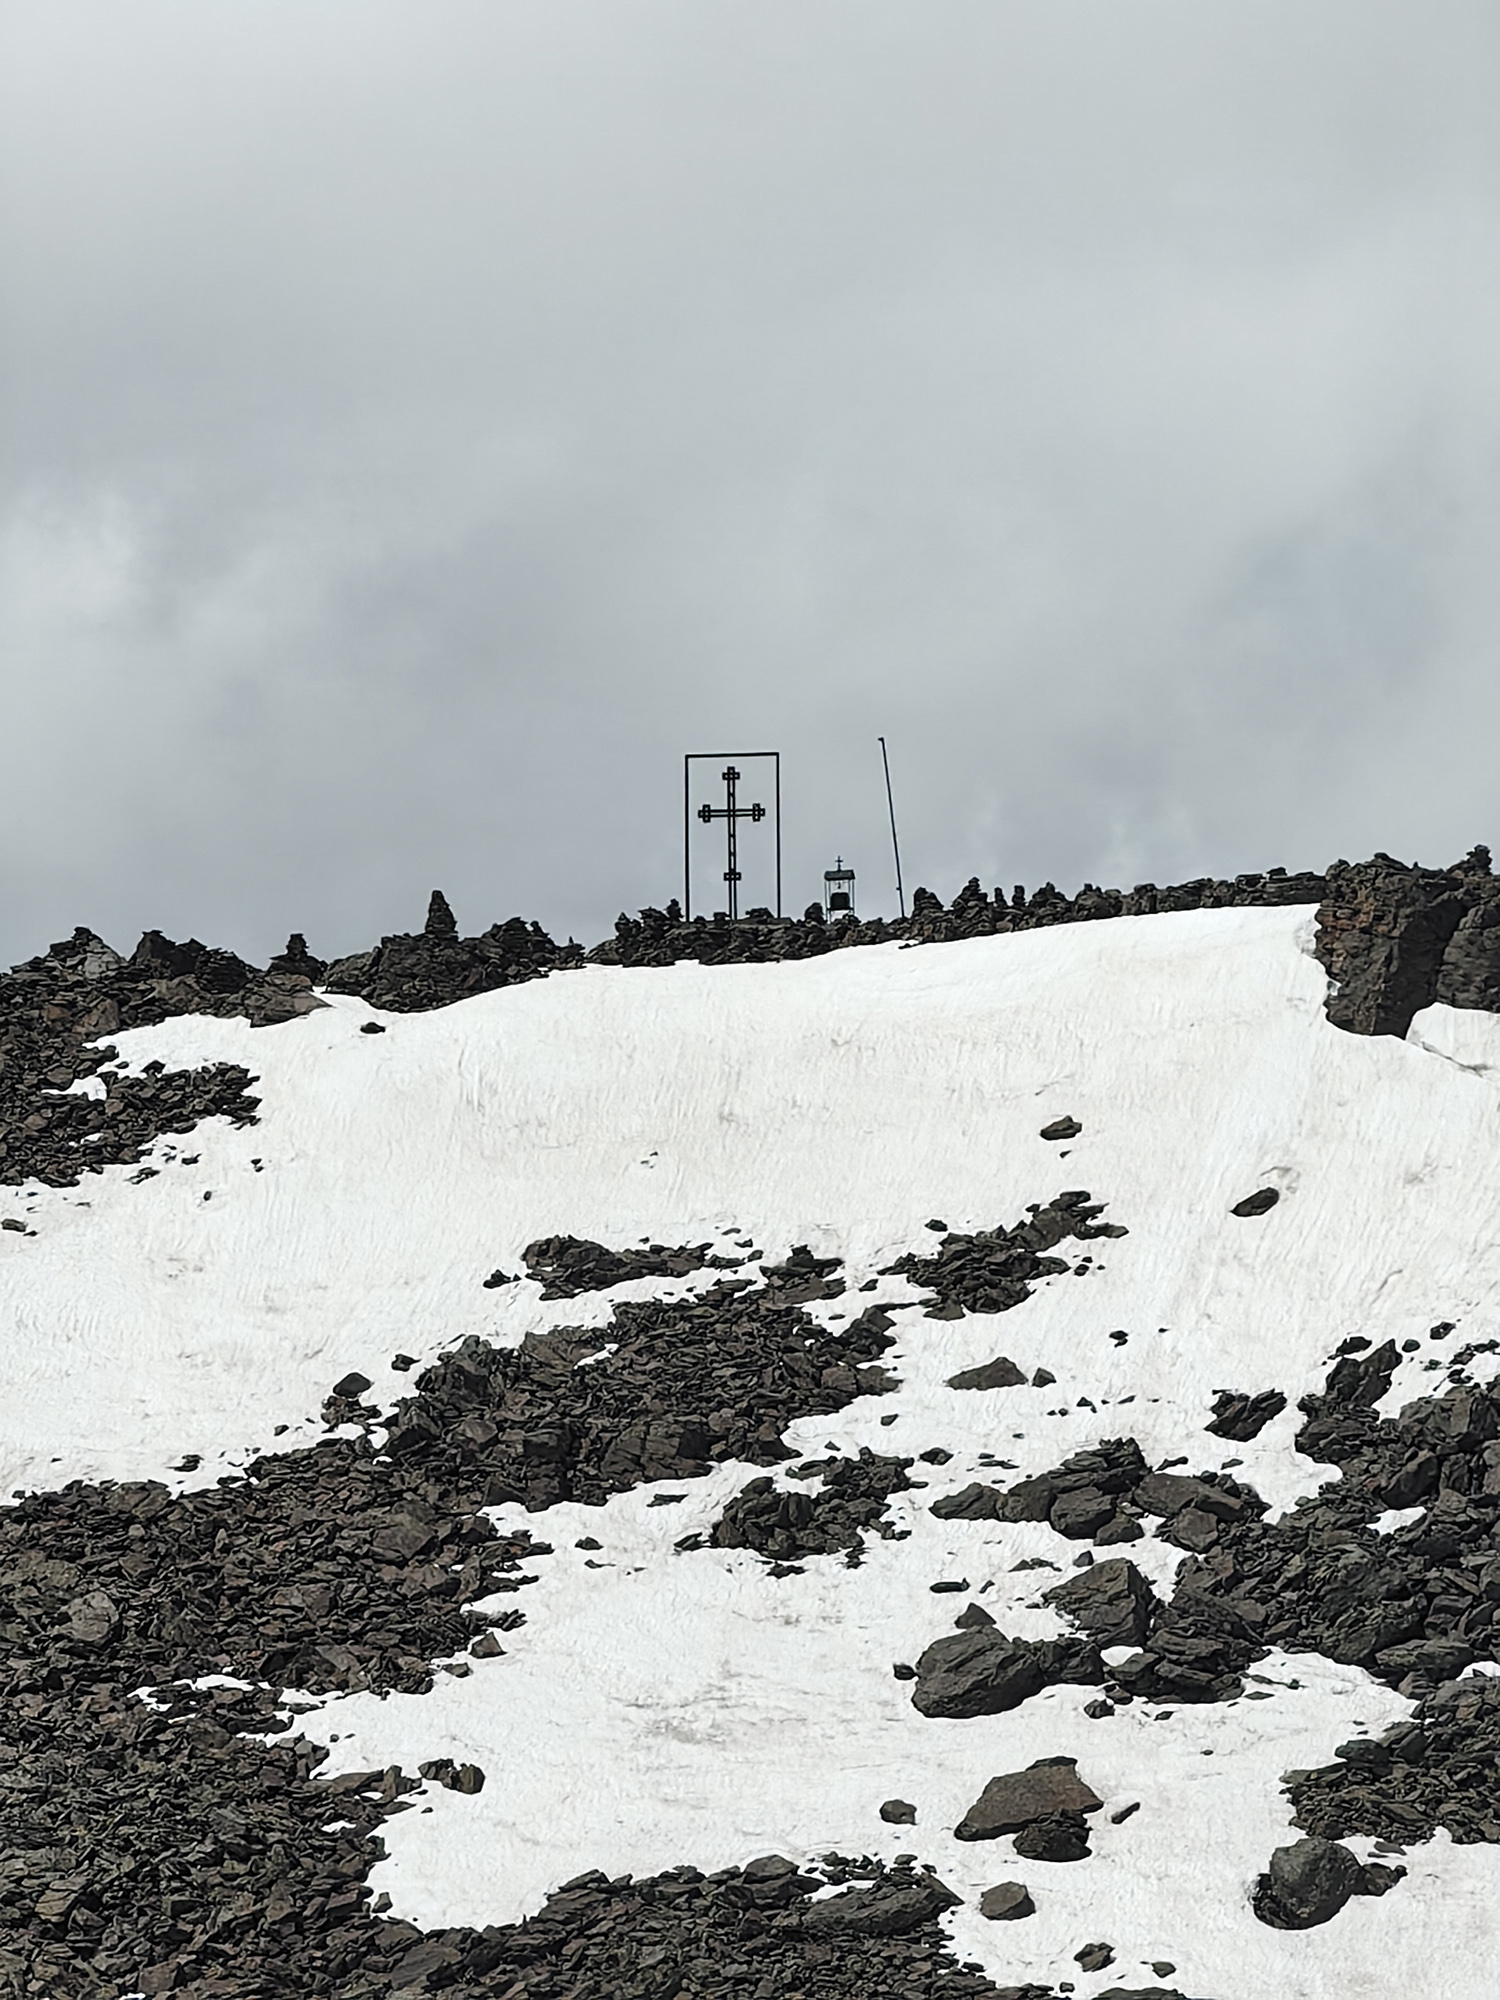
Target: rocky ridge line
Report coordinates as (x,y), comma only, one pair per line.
(1393,938)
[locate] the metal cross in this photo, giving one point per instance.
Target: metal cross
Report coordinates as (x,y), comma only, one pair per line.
(731,814)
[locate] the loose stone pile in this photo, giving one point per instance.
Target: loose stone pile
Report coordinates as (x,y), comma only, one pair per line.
(55,1007)
(684,1384)
(154,1847)
(995,1269)
(783,1523)
(1437,1769)
(1413,1607)
(404,974)
(568,1266)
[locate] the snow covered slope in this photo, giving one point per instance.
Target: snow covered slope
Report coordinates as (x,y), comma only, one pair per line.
(661,1707)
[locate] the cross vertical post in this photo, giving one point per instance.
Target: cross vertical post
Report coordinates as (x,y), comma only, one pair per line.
(731,812)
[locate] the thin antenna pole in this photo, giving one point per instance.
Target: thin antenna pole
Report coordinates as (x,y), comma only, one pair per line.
(895,844)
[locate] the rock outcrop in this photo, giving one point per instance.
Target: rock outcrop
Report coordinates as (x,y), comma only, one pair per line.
(1395,938)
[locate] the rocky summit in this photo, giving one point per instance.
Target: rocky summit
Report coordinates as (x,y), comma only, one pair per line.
(890,1472)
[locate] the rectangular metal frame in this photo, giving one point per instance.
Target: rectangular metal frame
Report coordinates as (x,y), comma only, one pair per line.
(712,757)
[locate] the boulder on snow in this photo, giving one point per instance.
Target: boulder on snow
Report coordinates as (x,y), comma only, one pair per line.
(982,1672)
(1111,1601)
(1307,1883)
(1001,1373)
(1258,1203)
(1020,1798)
(888,1908)
(1007,1901)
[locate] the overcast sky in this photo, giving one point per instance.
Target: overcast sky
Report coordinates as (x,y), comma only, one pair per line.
(425,422)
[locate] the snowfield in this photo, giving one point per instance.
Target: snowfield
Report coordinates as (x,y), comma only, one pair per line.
(662,1706)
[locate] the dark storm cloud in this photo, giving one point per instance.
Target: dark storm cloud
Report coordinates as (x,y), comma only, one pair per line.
(427,423)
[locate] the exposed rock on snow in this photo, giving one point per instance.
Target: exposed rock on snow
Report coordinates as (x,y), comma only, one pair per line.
(1260,1203)
(1001,1373)
(1396,938)
(407,972)
(1241,1417)
(1307,1883)
(568,1266)
(996,1269)
(784,1523)
(1020,1798)
(1006,1902)
(1112,1602)
(982,1672)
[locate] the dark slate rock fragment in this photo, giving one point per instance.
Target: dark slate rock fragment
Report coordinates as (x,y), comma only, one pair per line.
(1308,1882)
(1000,1373)
(883,1910)
(1080,1513)
(1057,1837)
(1062,1128)
(1006,1902)
(993,1270)
(982,1672)
(1259,1203)
(1241,1417)
(974,1502)
(1112,1602)
(899,1812)
(1019,1799)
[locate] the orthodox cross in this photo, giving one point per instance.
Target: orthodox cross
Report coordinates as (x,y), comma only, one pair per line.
(731,814)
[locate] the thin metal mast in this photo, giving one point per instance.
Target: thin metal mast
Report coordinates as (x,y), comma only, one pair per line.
(895,844)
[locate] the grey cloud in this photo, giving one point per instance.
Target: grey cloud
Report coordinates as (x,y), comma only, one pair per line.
(426,424)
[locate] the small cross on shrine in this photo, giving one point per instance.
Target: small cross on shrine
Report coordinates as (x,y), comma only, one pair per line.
(731,813)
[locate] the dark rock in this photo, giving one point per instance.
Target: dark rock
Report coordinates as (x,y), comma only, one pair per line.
(1058,1837)
(1021,1798)
(983,1672)
(1078,1514)
(993,1270)
(1257,1203)
(1241,1417)
(1307,1883)
(973,1618)
(886,1909)
(1112,1602)
(997,1374)
(1062,1128)
(568,1266)
(974,1502)
(1095,1957)
(1383,932)
(898,1812)
(1007,1901)
(850,1502)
